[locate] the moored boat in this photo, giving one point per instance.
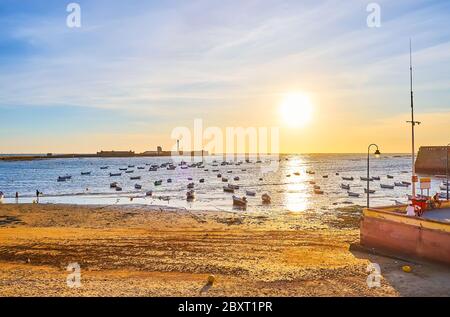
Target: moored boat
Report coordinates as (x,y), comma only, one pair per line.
(345,186)
(137,186)
(387,186)
(250,193)
(346,178)
(352,194)
(241,202)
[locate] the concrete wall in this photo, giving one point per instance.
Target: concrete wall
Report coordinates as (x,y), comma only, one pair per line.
(432,160)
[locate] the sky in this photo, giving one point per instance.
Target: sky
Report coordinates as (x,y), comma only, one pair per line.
(136,70)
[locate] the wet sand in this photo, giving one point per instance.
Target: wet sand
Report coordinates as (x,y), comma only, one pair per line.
(152,251)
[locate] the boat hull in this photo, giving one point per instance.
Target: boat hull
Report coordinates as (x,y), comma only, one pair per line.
(411,237)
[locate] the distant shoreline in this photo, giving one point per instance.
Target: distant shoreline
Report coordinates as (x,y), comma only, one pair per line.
(32,157)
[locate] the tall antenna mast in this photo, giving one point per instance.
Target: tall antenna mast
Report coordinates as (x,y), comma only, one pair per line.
(413,123)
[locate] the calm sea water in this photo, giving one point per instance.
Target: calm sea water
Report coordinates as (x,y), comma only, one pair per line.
(288,193)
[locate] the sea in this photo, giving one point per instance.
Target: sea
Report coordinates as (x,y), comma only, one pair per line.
(288,179)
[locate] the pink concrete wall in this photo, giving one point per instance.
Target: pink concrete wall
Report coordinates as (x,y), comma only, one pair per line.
(403,239)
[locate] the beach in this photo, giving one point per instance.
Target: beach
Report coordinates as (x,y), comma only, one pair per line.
(137,250)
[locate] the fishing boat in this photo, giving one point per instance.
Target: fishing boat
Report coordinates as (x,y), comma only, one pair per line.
(171,167)
(113,185)
(390,176)
(201,180)
(265,198)
(241,202)
(189,178)
(190,195)
(61,179)
(347,178)
(318,191)
(406,183)
(85,173)
(103,167)
(114,174)
(366,179)
(149,193)
(153,169)
(190,185)
(387,186)
(224,179)
(135,177)
(236,178)
(122,168)
(297,173)
(137,186)
(325,176)
(288,175)
(219,175)
(250,193)
(352,194)
(228,189)
(345,186)
(376,178)
(131,166)
(371,191)
(140,167)
(129,172)
(158,183)
(399,184)
(169,180)
(118,189)
(233,186)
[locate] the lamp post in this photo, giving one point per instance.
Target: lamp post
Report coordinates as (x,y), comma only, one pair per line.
(446,169)
(377,154)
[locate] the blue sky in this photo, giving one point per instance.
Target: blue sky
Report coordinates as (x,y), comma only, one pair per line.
(137,69)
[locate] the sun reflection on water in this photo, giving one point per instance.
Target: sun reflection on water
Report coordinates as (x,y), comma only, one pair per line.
(297,196)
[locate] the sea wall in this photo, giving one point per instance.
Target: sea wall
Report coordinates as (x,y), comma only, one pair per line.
(432,160)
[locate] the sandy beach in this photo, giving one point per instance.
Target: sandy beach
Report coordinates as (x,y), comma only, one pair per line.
(155,251)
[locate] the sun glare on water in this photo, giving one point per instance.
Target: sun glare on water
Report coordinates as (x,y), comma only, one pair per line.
(296,110)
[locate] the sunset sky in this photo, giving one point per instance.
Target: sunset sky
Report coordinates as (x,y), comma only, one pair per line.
(135,70)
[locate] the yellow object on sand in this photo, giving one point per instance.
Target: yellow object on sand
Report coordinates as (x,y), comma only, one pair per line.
(407,269)
(211,279)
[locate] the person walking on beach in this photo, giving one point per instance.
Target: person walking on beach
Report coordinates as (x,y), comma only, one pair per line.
(17,197)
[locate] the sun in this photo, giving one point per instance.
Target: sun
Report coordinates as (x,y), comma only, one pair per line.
(296,109)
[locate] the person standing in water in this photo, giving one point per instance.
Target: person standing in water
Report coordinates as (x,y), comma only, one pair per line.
(17,197)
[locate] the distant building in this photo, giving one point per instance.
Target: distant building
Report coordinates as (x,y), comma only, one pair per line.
(115,153)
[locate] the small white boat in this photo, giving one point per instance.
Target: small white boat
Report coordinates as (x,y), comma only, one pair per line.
(241,202)
(398,184)
(250,193)
(266,198)
(137,186)
(352,194)
(345,186)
